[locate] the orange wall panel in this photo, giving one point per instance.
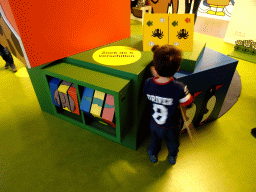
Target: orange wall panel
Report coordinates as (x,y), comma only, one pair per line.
(8,13)
(52,30)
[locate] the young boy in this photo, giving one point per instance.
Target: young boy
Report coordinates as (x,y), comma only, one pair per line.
(165,93)
(6,55)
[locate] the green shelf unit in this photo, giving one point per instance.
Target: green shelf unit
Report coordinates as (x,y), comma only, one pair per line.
(68,114)
(99,126)
(124,82)
(82,77)
(60,110)
(136,72)
(89,120)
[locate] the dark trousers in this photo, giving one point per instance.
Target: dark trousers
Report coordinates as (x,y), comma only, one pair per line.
(172,137)
(7,57)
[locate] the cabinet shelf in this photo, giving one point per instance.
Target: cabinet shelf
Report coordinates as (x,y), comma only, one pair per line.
(120,90)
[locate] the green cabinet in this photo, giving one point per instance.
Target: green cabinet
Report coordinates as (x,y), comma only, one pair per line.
(124,83)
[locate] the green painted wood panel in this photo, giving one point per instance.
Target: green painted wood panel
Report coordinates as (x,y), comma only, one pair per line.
(89,76)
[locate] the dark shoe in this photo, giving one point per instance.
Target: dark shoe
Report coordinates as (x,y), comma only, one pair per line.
(13,68)
(153,158)
(6,66)
(253,132)
(172,160)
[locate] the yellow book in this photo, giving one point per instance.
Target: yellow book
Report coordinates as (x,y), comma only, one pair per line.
(63,89)
(64,86)
(181,31)
(155,30)
(97,103)
(64,97)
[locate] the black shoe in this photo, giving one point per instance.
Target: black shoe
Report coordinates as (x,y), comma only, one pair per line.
(172,160)
(153,158)
(13,68)
(253,132)
(6,66)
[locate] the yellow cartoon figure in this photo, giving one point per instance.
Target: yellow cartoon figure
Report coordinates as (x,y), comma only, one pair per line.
(217,7)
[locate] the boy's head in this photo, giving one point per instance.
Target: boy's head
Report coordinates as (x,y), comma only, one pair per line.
(167,59)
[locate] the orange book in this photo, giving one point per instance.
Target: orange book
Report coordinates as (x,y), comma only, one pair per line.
(74,107)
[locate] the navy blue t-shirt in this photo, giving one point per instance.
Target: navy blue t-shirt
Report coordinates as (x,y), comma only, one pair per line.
(165,99)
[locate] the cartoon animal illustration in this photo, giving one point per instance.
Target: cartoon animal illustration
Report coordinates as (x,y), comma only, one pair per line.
(216,7)
(182,34)
(172,6)
(175,23)
(208,105)
(150,23)
(191,112)
(158,33)
(133,3)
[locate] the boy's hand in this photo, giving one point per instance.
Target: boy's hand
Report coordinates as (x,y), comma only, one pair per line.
(153,71)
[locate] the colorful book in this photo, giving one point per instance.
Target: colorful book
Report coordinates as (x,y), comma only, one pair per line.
(109,110)
(63,92)
(97,104)
(54,83)
(74,106)
(86,101)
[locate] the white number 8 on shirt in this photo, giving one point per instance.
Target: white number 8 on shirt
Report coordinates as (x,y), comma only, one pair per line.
(162,114)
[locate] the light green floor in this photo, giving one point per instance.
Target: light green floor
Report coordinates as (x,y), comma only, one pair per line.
(39,152)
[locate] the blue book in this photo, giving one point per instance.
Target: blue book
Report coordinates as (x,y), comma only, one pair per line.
(86,101)
(54,84)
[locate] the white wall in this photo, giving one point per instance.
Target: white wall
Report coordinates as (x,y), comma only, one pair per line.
(242,25)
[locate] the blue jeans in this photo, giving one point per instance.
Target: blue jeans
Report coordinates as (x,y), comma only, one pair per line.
(172,137)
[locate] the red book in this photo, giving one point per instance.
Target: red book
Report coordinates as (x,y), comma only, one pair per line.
(109,110)
(73,99)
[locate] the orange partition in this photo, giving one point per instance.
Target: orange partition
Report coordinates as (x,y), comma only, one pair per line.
(52,30)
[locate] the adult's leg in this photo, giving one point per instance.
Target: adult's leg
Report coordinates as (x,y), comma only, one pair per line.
(7,64)
(188,6)
(175,6)
(9,60)
(195,8)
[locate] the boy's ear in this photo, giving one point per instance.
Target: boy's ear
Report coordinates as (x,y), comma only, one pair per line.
(178,69)
(153,71)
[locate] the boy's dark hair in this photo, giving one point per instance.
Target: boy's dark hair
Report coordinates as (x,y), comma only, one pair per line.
(167,59)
